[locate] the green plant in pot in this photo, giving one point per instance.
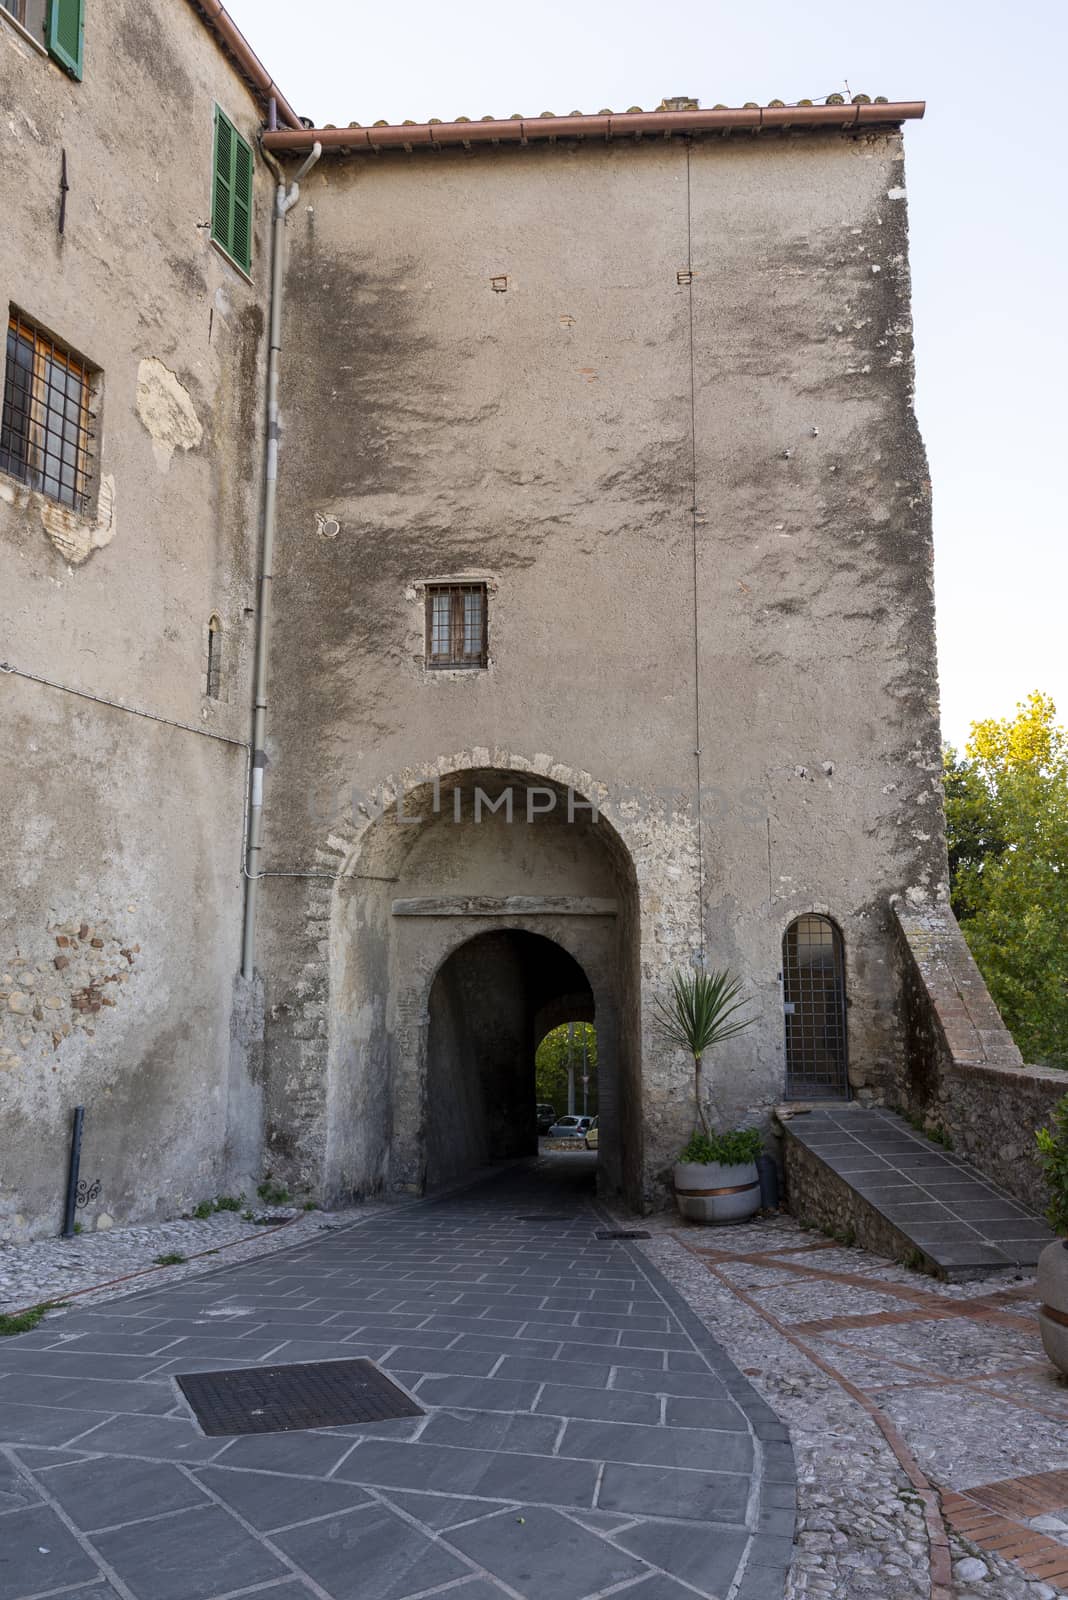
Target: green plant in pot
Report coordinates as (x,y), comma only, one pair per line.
(1053,1262)
(716,1177)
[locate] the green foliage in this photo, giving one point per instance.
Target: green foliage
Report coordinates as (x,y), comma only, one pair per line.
(273,1194)
(702,1011)
(1053,1158)
(1007,823)
(174,1258)
(310,1205)
(23,1321)
(550,1067)
(229,1202)
(204,1209)
(734,1149)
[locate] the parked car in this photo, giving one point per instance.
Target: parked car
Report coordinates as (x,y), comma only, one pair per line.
(591,1135)
(570,1128)
(546,1116)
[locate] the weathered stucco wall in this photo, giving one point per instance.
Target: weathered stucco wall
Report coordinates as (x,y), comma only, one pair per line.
(115,824)
(488,377)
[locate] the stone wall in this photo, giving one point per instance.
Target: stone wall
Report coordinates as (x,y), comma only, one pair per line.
(965,1074)
(498,371)
(819,1197)
(120,845)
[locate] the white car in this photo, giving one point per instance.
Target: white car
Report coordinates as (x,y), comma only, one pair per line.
(570,1128)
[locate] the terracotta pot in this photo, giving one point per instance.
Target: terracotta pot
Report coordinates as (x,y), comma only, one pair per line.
(1053,1293)
(710,1192)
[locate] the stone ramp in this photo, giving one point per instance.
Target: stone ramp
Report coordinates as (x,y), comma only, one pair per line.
(903,1195)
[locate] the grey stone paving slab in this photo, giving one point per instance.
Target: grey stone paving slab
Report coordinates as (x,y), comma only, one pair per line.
(701,1449)
(706,1557)
(92,1394)
(606,1405)
(495,1430)
(17,1489)
(440,1511)
(670,1492)
(371,1554)
(191,1556)
(504,1330)
(159,1438)
(99,1494)
(269,1500)
(545,1554)
(38,1555)
(310,1455)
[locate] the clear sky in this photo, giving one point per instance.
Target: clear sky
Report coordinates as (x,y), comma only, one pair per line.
(987,180)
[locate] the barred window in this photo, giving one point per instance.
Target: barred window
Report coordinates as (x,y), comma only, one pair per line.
(44,424)
(456,625)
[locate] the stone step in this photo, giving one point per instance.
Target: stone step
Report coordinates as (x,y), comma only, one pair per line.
(867,1171)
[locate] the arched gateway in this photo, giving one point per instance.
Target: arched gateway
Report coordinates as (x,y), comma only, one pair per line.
(484,906)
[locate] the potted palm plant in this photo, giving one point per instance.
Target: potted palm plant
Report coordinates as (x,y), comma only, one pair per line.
(716,1177)
(1053,1262)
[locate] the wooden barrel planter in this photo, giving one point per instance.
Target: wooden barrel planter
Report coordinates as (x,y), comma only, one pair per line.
(1053,1293)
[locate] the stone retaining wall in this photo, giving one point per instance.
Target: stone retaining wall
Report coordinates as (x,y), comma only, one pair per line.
(819,1196)
(966,1075)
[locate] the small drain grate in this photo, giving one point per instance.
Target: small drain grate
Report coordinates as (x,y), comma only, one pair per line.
(312,1394)
(620,1233)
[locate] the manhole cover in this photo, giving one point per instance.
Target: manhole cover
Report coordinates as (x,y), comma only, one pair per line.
(313,1394)
(620,1233)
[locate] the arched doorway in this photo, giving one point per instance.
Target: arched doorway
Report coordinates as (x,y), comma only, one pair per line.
(490,1004)
(814,1000)
(484,871)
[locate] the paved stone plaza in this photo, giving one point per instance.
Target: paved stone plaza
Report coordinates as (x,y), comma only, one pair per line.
(584,1434)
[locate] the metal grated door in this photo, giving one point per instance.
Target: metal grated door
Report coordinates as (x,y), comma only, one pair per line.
(814,1002)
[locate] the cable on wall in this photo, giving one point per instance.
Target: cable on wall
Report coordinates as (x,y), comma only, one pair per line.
(696,592)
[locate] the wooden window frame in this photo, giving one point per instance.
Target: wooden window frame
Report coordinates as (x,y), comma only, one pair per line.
(223,229)
(454,658)
(30,448)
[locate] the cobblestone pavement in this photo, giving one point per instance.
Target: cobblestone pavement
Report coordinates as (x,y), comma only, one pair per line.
(893,1386)
(582,1433)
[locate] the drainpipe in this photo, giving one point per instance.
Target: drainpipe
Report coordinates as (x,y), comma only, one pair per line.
(284,200)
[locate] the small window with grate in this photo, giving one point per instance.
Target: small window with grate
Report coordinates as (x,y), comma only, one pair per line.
(45,433)
(213,686)
(456,625)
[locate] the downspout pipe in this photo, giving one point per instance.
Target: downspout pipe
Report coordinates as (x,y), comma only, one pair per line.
(285,198)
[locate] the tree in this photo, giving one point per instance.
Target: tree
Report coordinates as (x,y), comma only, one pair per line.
(701,1012)
(1007,825)
(550,1067)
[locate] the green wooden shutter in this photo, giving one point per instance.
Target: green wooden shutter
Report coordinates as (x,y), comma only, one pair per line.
(242,199)
(231,202)
(65,32)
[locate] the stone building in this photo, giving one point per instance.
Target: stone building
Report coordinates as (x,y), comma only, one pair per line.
(601,629)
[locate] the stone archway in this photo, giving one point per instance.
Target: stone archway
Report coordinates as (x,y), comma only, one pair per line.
(488,1008)
(431,876)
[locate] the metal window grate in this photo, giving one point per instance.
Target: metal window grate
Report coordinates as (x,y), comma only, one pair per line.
(456,625)
(45,433)
(814,1002)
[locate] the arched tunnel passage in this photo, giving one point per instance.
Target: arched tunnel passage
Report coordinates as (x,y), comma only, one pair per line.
(492,1001)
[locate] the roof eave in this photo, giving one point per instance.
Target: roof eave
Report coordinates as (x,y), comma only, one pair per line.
(241,54)
(625,124)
